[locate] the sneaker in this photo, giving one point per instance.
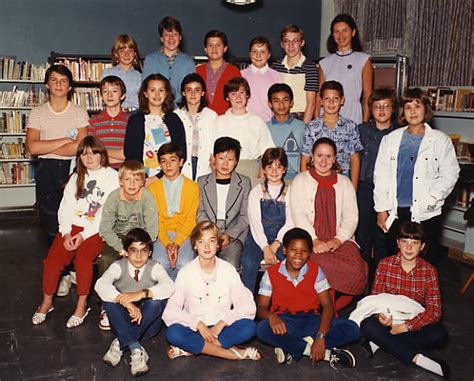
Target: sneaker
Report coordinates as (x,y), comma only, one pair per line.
(114,354)
(341,358)
(73,277)
(138,363)
(282,357)
(64,286)
(104,323)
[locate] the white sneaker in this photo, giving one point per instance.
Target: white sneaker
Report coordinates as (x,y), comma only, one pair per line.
(138,363)
(114,354)
(104,323)
(64,286)
(73,277)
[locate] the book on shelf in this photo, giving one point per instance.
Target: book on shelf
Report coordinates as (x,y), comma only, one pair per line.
(88,98)
(14,150)
(22,98)
(17,173)
(11,69)
(84,70)
(446,98)
(13,121)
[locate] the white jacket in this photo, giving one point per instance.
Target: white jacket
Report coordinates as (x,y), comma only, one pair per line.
(206,127)
(435,174)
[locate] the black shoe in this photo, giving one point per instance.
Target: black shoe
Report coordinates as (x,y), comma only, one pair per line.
(341,358)
(282,357)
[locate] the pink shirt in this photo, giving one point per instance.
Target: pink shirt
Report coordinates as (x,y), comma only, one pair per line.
(208,297)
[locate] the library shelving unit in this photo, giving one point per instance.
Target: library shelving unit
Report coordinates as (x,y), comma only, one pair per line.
(17,184)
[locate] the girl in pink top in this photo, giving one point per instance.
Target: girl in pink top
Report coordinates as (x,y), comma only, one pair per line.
(199,315)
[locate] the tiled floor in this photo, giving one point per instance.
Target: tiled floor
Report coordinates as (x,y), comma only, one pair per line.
(52,352)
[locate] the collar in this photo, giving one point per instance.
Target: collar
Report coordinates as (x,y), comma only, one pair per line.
(261,70)
(133,268)
(299,63)
(283,271)
(174,182)
(341,54)
(289,121)
(162,52)
(138,197)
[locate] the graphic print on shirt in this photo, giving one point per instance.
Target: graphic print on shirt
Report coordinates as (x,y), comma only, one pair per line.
(155,137)
(292,149)
(93,195)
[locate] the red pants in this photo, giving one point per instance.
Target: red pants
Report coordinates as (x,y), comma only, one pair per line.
(58,258)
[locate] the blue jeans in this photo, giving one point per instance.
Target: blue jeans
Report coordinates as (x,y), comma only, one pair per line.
(128,332)
(191,341)
(404,346)
(251,258)
(186,254)
(298,326)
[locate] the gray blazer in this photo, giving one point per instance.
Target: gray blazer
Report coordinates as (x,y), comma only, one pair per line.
(236,221)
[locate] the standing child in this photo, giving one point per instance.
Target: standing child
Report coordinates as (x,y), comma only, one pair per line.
(410,275)
(109,126)
(128,207)
(260,77)
(177,198)
(348,65)
(79,218)
(415,171)
(290,296)
(134,292)
(211,311)
(216,72)
(199,124)
(298,72)
(126,66)
(286,130)
(154,125)
(249,129)
(269,216)
(339,129)
(223,199)
(382,104)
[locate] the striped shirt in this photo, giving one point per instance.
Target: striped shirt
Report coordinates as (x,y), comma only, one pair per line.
(420,284)
(301,78)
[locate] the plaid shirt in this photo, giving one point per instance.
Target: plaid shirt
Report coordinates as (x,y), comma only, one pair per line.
(420,284)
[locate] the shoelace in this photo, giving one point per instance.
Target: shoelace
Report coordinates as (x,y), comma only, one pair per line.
(333,361)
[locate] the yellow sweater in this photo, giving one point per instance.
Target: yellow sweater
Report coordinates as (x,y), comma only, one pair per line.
(181,223)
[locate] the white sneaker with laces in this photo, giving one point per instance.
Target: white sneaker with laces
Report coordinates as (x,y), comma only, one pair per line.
(114,354)
(138,363)
(104,323)
(73,277)
(64,286)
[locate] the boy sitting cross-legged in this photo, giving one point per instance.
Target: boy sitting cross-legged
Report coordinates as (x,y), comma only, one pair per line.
(290,295)
(134,291)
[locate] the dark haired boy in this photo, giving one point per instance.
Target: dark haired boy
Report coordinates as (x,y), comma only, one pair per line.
(286,130)
(408,275)
(177,199)
(170,61)
(298,72)
(216,72)
(224,198)
(290,296)
(109,125)
(382,104)
(134,290)
(260,77)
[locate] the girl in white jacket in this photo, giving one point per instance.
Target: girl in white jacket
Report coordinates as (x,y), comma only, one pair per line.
(79,218)
(415,171)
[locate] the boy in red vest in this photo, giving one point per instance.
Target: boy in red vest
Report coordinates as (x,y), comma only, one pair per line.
(290,296)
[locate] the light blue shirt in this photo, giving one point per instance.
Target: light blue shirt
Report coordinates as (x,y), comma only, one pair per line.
(407,155)
(173,193)
(132,79)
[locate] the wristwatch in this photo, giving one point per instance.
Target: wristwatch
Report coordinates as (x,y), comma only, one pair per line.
(320,335)
(147,293)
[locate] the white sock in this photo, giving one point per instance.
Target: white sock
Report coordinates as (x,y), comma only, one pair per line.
(374,347)
(428,364)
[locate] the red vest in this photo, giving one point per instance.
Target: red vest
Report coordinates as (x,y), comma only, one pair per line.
(286,298)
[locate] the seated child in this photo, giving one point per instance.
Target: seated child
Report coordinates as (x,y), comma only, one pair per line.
(211,311)
(177,198)
(260,77)
(79,217)
(249,129)
(406,273)
(290,295)
(134,290)
(223,199)
(339,129)
(109,126)
(269,216)
(130,206)
(286,130)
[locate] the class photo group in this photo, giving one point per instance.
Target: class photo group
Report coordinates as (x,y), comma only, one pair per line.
(233,210)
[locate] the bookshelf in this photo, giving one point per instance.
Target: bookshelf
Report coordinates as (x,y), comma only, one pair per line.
(20,90)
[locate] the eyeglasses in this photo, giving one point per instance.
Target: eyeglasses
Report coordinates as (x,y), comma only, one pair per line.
(292,42)
(134,251)
(382,107)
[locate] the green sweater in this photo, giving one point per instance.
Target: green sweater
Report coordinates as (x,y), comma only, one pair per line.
(121,216)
